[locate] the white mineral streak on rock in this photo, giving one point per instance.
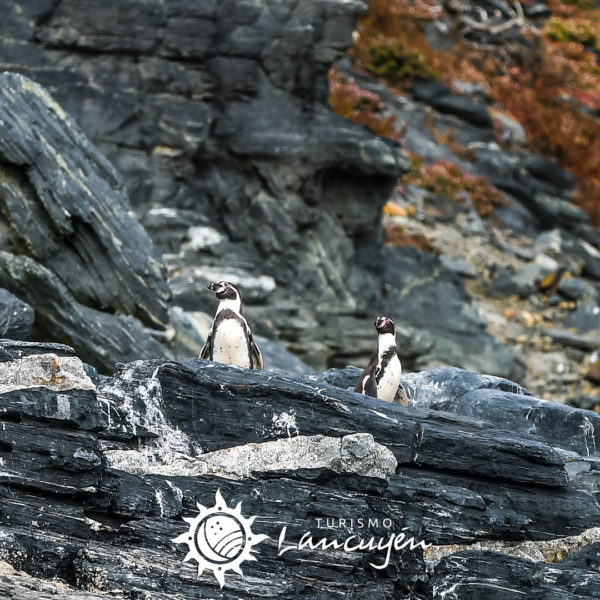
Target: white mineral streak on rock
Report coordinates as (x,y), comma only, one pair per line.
(57,373)
(539,551)
(354,453)
(171,441)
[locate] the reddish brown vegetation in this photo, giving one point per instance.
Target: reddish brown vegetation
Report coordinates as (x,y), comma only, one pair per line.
(550,81)
(349,100)
(396,236)
(448,179)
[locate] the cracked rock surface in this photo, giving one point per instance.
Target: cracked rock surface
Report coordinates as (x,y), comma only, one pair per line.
(99,488)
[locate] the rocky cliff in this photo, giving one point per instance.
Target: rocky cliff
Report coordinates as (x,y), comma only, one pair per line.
(216,118)
(95,481)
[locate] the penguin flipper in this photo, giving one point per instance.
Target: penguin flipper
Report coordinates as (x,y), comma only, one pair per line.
(206,351)
(368,372)
(371,385)
(257,358)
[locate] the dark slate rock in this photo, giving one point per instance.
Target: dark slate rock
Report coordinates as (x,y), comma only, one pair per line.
(13,349)
(443,99)
(585,319)
(500,577)
(108,529)
(278,358)
(55,186)
(563,426)
(576,288)
(465,108)
(101,338)
(415,433)
(460,266)
(507,284)
(550,171)
(16,317)
(424,295)
(586,252)
(428,90)
(583,341)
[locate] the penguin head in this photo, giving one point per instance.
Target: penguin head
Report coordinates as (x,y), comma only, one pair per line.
(384,325)
(225,291)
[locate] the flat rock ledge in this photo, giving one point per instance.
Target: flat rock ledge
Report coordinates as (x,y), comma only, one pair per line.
(95,481)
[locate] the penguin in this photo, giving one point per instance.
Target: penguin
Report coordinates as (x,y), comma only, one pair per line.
(381,377)
(230,340)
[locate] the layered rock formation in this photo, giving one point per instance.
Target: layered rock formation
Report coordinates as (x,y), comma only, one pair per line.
(95,482)
(70,248)
(216,116)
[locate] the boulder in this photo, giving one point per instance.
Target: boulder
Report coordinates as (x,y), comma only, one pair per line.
(431,299)
(16,317)
(84,263)
(97,479)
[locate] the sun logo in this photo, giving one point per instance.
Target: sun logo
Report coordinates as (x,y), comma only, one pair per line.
(219,539)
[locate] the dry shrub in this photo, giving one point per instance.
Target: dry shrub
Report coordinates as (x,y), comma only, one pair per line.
(397,236)
(351,101)
(550,81)
(447,179)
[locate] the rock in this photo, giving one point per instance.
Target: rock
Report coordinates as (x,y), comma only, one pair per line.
(466,108)
(190,330)
(586,318)
(460,266)
(494,467)
(508,574)
(506,283)
(16,317)
(525,279)
(593,367)
(218,120)
(88,257)
(576,288)
(55,185)
(583,341)
(355,453)
(551,171)
(279,359)
(417,286)
(588,253)
(443,99)
(511,131)
(102,338)
(17,584)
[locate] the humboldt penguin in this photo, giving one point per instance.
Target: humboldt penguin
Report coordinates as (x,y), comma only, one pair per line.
(381,377)
(230,340)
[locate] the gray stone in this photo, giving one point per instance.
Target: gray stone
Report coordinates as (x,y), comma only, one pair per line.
(576,288)
(495,468)
(459,265)
(506,283)
(16,317)
(355,453)
(102,339)
(55,186)
(583,341)
(432,299)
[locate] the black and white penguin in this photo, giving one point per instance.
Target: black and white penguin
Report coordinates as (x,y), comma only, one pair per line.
(381,377)
(230,340)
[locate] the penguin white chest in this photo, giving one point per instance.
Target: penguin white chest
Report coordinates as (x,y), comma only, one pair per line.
(230,344)
(388,383)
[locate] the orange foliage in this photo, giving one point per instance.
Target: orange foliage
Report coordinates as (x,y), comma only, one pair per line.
(396,236)
(549,83)
(449,180)
(349,100)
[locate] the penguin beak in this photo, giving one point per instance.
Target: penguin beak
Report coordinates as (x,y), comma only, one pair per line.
(213,287)
(381,322)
